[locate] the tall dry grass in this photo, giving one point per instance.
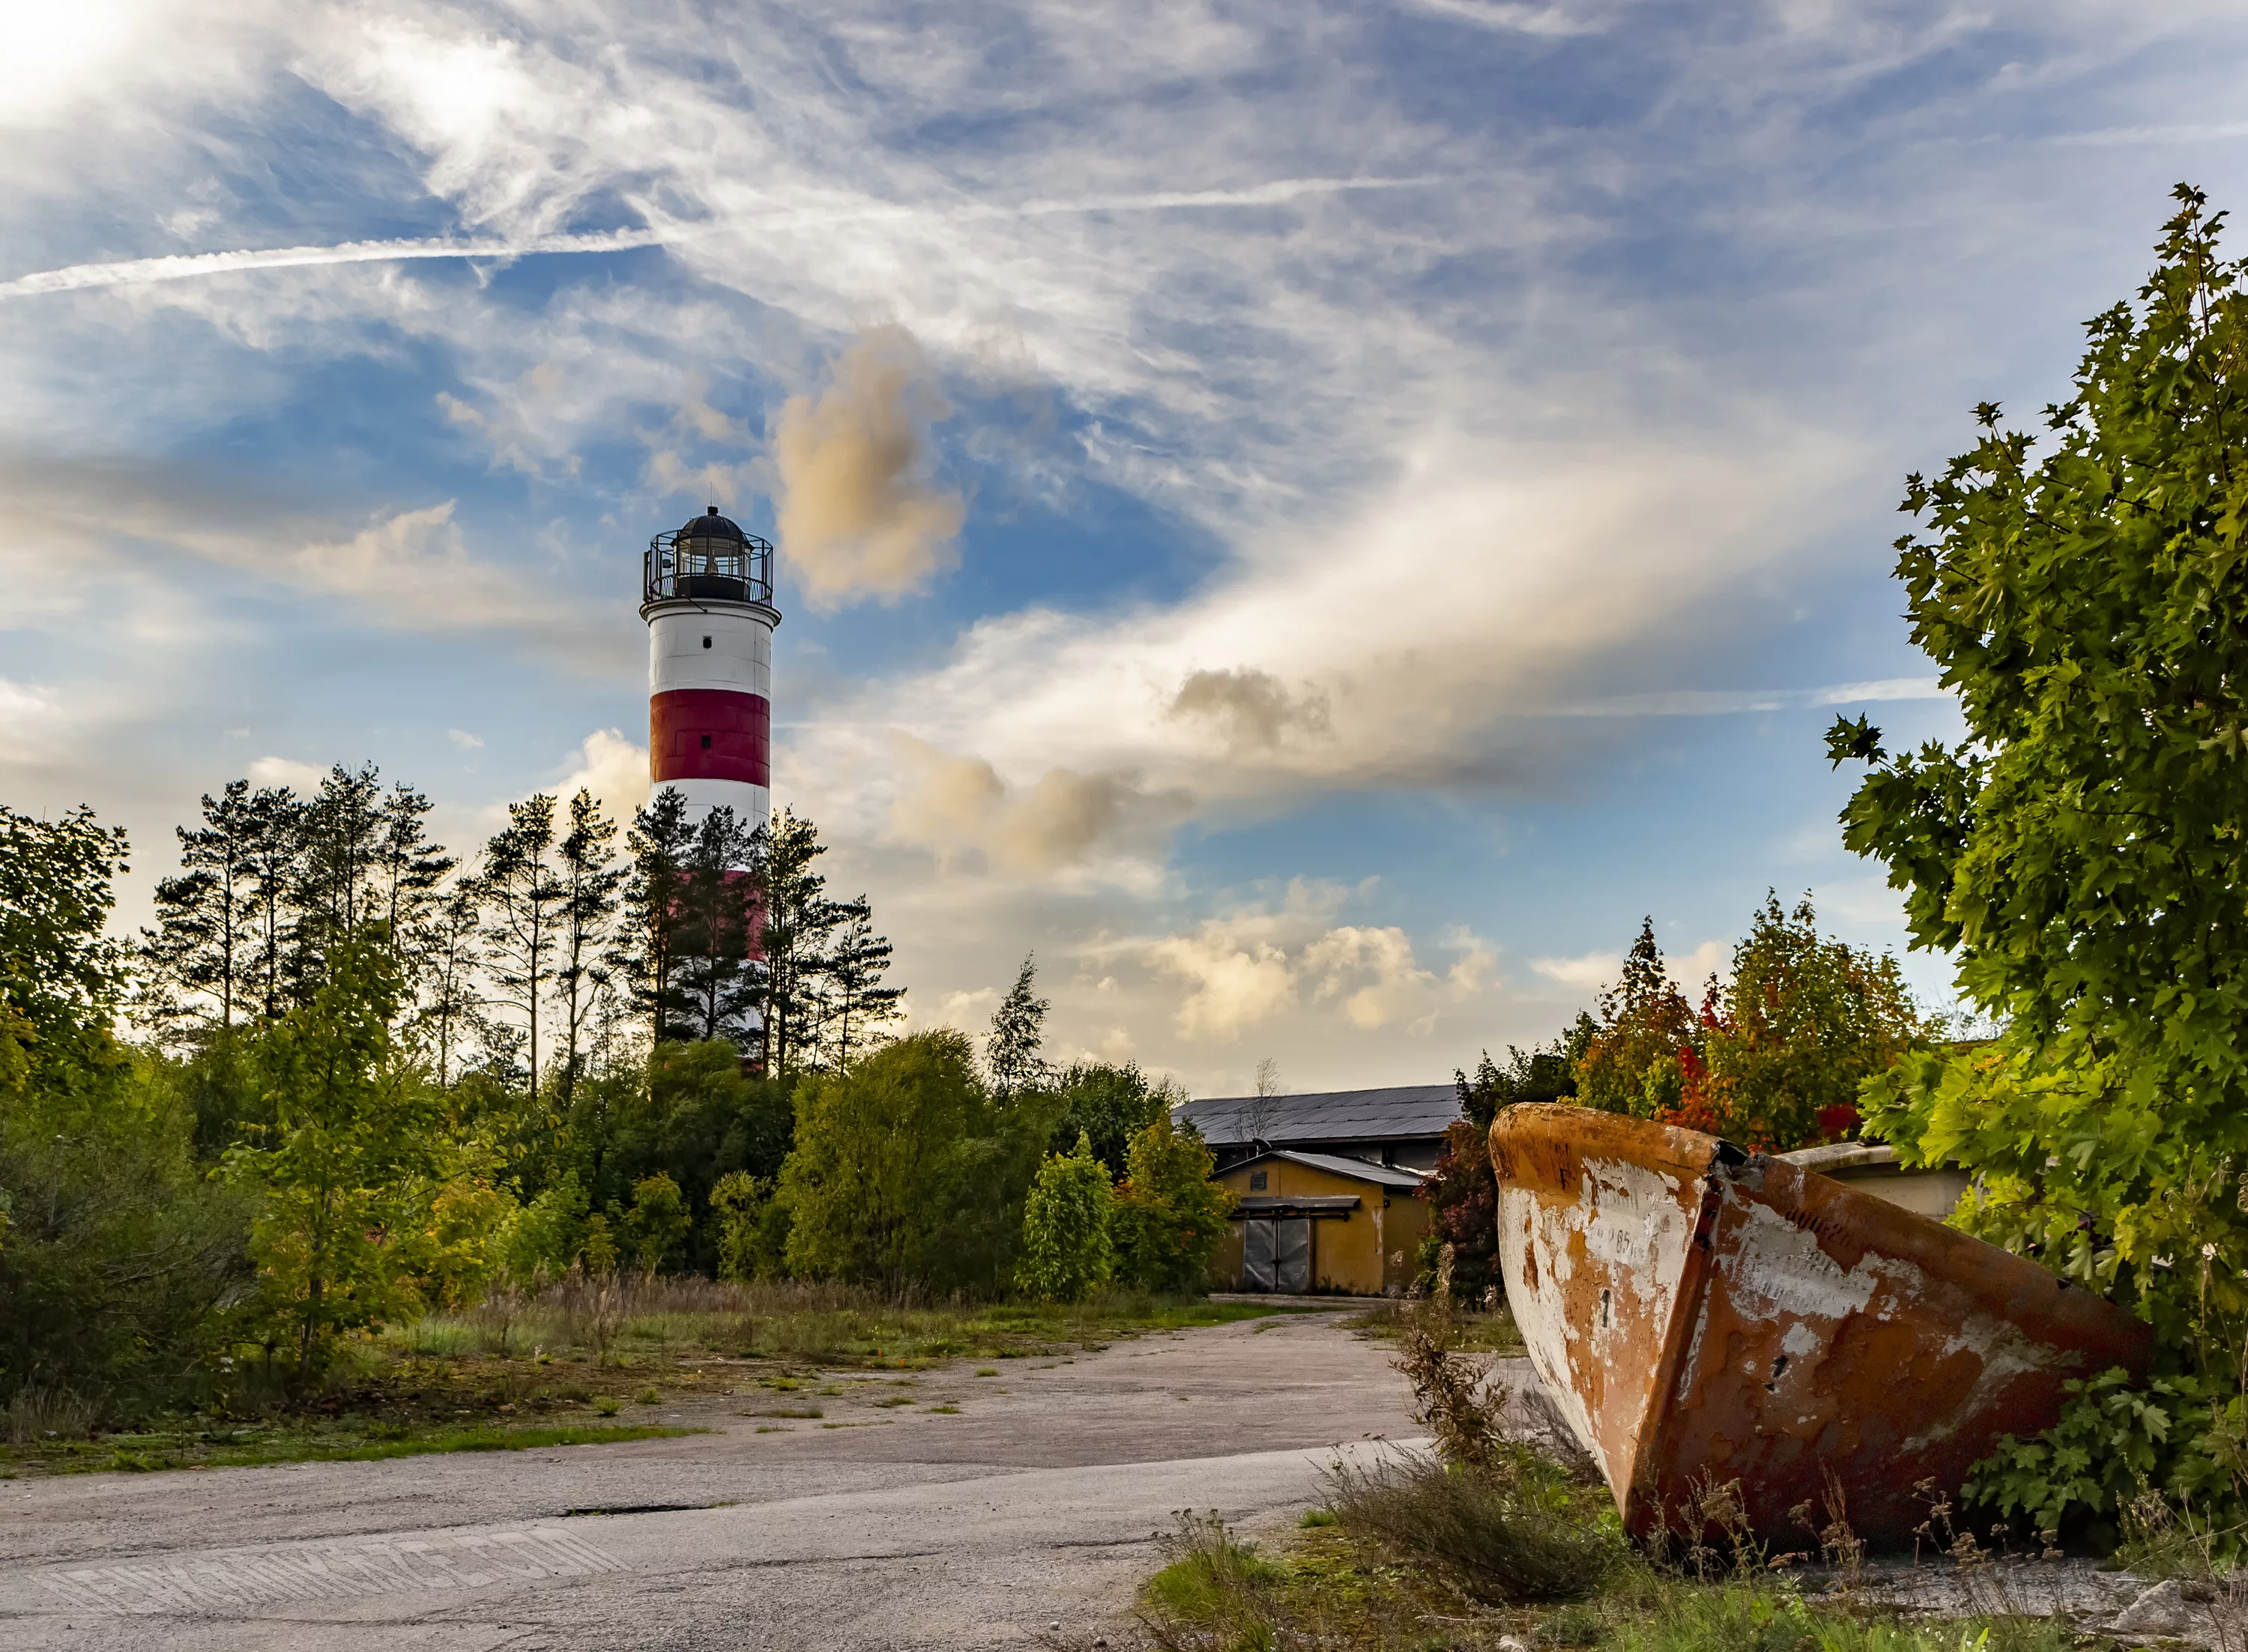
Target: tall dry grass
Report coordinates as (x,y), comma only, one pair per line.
(609,1316)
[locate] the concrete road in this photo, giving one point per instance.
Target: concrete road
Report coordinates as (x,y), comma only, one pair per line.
(1023,1518)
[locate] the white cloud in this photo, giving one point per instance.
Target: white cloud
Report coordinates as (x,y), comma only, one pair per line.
(1592,973)
(463,739)
(1258,964)
(1510,17)
(960,808)
(301,777)
(1233,984)
(615,769)
(1589,974)
(27,714)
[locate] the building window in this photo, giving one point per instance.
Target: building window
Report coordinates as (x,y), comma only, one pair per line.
(706,643)
(706,743)
(1257,1180)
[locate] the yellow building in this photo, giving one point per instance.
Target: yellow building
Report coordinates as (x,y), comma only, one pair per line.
(1321,1222)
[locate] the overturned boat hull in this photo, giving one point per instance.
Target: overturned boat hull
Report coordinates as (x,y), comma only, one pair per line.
(1700,1313)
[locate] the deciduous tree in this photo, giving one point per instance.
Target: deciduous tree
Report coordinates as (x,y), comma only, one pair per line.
(354,1162)
(1169,1217)
(2081,854)
(1067,1252)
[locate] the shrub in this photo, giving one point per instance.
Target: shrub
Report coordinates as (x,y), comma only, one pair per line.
(547,1235)
(906,1173)
(1169,1217)
(1065,1247)
(752,1231)
(657,1222)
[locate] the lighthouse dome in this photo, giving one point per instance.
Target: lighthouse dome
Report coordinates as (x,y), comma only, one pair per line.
(712,527)
(709,558)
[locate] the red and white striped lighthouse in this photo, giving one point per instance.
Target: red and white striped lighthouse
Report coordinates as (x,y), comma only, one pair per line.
(708,601)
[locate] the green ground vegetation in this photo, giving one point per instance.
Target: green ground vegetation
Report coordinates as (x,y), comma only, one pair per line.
(554,1368)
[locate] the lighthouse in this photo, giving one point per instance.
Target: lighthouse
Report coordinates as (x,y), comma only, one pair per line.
(707,596)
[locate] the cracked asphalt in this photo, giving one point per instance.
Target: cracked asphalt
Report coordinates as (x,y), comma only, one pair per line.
(1024,1518)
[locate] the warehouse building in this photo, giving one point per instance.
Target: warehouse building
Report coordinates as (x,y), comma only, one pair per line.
(1328,1185)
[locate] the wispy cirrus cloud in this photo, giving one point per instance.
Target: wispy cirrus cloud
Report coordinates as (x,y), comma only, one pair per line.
(1478,380)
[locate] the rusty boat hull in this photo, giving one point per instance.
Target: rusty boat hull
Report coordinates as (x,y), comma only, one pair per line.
(1696,1312)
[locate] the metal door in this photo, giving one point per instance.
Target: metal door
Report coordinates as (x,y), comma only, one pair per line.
(1293,1255)
(1256,1255)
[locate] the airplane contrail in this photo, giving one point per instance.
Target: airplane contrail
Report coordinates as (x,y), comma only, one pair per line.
(185,266)
(135,271)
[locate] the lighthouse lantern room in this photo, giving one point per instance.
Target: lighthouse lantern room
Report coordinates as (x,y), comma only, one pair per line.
(707,596)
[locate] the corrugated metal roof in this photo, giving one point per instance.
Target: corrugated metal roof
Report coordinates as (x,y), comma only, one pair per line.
(1386,1175)
(1329,1115)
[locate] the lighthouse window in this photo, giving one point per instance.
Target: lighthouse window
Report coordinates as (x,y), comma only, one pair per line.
(706,743)
(706,643)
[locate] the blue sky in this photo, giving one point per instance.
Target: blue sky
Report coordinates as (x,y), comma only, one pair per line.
(1313,518)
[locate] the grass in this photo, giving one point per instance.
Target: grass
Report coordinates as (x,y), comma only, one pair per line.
(1521,1530)
(1333,1588)
(571,1357)
(660,1320)
(1492,1333)
(1496,1543)
(247,1448)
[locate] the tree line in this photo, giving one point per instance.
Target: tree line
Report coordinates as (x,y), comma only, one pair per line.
(530,959)
(348,1076)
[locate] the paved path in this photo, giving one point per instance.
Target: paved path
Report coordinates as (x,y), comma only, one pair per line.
(1031,1508)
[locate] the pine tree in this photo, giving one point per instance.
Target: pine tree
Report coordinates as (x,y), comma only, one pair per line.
(589,879)
(715,928)
(446,943)
(342,831)
(1012,1054)
(521,894)
(797,923)
(660,843)
(408,868)
(856,1003)
(203,941)
(273,833)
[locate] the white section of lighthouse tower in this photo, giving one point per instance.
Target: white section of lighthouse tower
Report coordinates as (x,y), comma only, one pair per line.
(707,596)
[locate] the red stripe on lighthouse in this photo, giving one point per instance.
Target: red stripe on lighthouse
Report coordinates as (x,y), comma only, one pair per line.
(709,734)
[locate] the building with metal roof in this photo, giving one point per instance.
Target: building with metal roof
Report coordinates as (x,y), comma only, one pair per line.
(1321,1221)
(1402,1125)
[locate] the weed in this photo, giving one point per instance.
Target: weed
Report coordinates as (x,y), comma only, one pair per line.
(608,1405)
(1458,1399)
(647,1397)
(1314,1519)
(802,1414)
(1513,1530)
(1738,1616)
(1575,1624)
(987,1370)
(39,1412)
(1214,1582)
